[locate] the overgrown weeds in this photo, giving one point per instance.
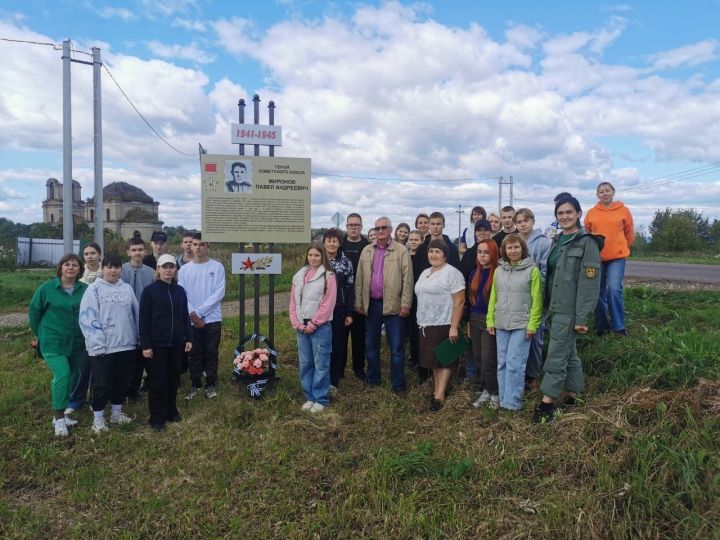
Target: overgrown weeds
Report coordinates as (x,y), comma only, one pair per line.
(639,457)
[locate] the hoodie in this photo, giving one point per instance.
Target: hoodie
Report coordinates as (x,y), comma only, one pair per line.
(539,248)
(615,223)
(109,317)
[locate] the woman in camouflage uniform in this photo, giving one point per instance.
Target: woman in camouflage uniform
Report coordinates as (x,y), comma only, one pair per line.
(571,292)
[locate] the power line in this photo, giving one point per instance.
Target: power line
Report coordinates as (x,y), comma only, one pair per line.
(351,177)
(193,154)
(53,45)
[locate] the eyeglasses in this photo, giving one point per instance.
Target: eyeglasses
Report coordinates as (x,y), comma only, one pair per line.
(382,227)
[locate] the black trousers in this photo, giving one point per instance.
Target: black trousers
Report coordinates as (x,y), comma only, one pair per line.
(163,380)
(136,373)
(110,375)
(356,331)
(338,357)
(204,354)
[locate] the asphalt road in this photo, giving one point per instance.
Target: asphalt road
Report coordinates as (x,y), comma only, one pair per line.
(662,271)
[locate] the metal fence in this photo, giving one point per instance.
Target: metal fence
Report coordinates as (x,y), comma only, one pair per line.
(41,251)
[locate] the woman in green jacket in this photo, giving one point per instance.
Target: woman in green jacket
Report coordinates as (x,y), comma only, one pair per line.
(572,287)
(54,314)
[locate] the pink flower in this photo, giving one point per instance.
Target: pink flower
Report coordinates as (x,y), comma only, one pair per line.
(257,363)
(264,357)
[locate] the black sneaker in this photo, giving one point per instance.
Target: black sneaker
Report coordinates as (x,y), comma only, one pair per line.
(544,413)
(435,405)
(175,418)
(158,427)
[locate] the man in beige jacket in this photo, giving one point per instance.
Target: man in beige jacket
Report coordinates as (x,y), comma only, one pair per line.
(384,292)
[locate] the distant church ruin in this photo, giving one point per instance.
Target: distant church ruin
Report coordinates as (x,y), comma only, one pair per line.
(127,208)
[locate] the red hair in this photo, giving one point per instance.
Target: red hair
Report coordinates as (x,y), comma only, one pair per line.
(494,258)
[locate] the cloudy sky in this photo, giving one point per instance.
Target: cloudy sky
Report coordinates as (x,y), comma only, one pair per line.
(402,107)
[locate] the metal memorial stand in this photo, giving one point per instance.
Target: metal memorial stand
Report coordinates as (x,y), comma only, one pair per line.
(256,246)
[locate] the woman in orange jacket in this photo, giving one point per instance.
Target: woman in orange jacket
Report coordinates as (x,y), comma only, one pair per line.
(613,220)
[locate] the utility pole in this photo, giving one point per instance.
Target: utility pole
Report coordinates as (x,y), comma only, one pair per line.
(68,221)
(97,138)
(67,152)
(502,182)
(500,185)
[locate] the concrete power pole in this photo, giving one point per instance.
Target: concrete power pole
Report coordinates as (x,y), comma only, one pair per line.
(502,182)
(67,152)
(97,137)
(500,185)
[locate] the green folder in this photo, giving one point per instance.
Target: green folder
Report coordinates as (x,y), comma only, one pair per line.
(447,352)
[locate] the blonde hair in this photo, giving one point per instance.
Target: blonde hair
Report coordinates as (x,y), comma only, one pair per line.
(526,212)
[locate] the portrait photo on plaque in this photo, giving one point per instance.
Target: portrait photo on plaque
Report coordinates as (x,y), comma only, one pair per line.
(238,176)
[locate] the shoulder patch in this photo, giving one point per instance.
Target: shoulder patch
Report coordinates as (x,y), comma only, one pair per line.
(590,272)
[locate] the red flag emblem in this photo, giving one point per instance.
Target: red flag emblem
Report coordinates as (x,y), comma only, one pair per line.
(211,167)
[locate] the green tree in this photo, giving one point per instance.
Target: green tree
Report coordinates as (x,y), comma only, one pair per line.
(679,230)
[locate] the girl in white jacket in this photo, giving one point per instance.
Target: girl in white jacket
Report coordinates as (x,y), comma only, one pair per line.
(109,317)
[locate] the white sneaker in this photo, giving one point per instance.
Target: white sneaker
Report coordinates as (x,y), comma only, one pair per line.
(494,403)
(99,425)
(69,410)
(484,396)
(307,405)
(120,418)
(60,427)
(70,422)
(317,407)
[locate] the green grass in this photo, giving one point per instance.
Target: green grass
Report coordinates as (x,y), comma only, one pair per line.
(639,458)
(17,288)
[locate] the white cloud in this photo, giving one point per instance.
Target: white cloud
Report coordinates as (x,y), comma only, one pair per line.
(387,92)
(108,12)
(686,56)
(182,52)
(168,8)
(7,193)
(188,24)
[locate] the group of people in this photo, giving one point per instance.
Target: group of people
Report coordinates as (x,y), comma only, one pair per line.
(101,323)
(505,286)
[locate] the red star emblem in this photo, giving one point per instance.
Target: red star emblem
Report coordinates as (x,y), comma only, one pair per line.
(247,264)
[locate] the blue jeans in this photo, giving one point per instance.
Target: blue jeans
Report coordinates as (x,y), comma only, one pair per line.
(610,309)
(314,351)
(512,354)
(78,396)
(394,330)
